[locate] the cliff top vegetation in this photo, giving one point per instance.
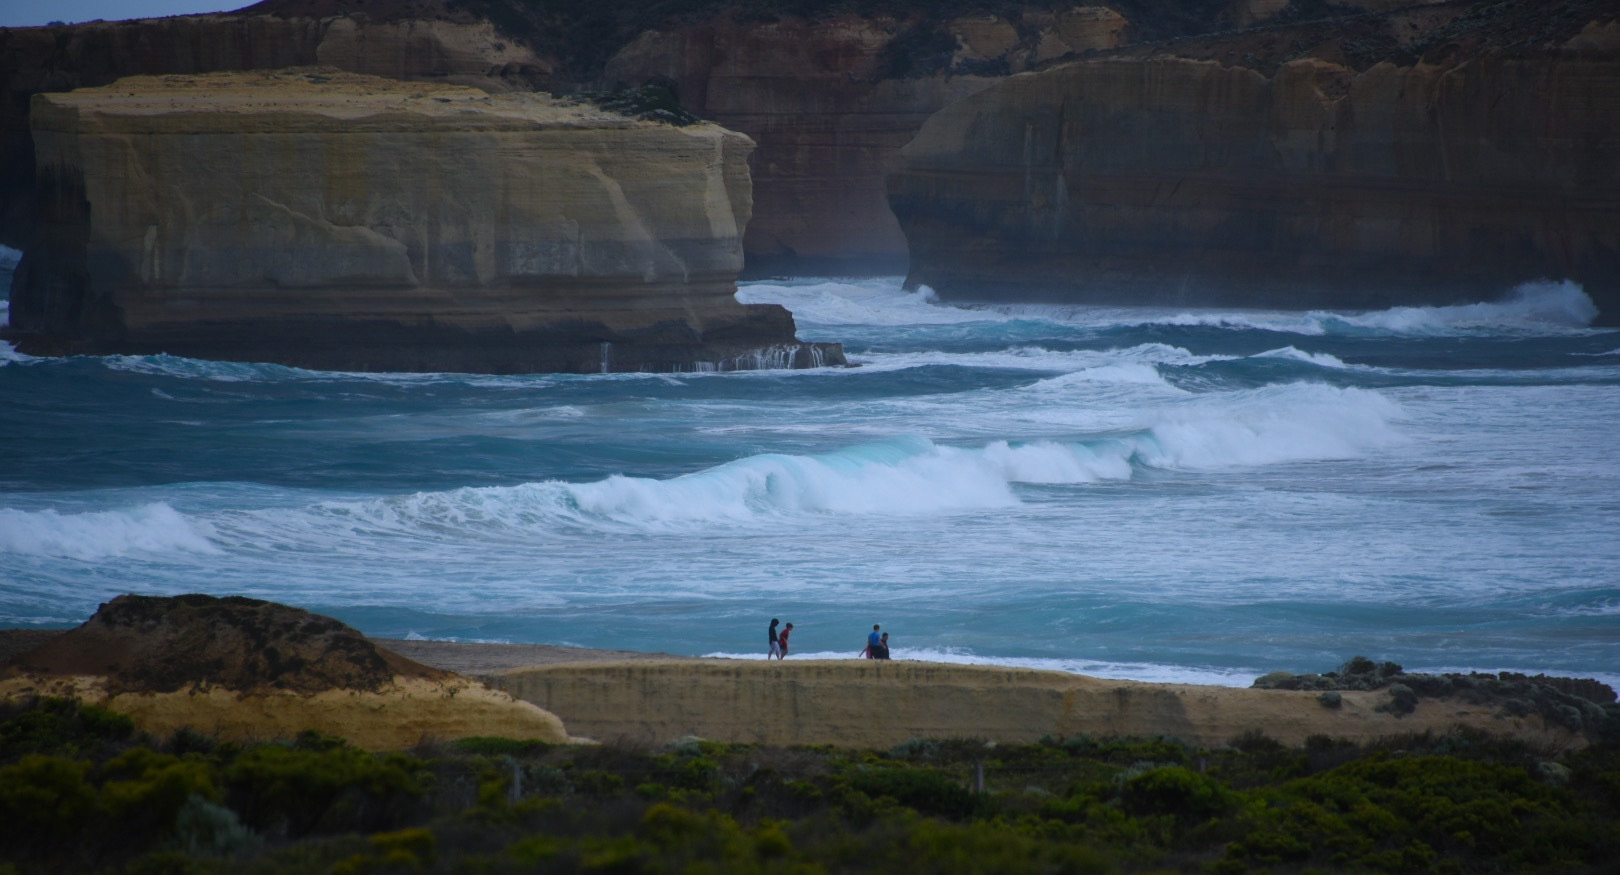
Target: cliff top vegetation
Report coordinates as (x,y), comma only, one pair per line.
(81,791)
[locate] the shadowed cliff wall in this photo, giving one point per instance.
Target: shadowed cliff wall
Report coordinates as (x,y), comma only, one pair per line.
(1176,181)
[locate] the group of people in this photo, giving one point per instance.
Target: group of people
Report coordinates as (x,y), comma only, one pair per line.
(779,640)
(877,643)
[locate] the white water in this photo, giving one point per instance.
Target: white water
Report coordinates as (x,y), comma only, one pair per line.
(1165,495)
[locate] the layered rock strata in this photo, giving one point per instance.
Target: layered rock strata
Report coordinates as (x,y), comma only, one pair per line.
(249,670)
(1173,180)
(330,220)
(464,52)
(831,102)
(834,702)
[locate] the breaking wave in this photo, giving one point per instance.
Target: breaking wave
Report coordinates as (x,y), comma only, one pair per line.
(96,535)
(1539,307)
(897,477)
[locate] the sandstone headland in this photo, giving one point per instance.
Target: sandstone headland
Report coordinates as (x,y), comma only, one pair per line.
(331,220)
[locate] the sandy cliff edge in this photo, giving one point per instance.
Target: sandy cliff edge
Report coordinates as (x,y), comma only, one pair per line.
(609,695)
(409,712)
(855,703)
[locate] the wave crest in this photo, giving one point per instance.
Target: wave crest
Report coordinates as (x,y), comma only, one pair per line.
(902,476)
(150,528)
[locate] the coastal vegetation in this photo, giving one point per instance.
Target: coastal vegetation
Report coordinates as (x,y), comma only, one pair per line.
(81,790)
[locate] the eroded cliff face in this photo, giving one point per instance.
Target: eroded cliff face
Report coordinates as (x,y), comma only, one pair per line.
(330,220)
(830,98)
(1173,180)
(830,102)
(54,59)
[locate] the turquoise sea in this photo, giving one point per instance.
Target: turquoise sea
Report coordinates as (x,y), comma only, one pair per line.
(1173,494)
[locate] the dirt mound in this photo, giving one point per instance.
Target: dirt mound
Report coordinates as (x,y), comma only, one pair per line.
(146,644)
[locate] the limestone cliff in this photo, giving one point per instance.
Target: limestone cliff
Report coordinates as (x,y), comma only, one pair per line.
(830,101)
(331,220)
(829,97)
(467,51)
(1311,182)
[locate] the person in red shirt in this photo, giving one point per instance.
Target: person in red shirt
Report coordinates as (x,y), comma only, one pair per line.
(781,640)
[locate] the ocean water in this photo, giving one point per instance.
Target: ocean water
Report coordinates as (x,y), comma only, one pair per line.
(1182,495)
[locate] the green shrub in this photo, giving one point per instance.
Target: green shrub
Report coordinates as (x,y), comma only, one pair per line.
(414,847)
(1175,791)
(490,746)
(925,790)
(596,782)
(46,805)
(292,791)
(655,103)
(60,727)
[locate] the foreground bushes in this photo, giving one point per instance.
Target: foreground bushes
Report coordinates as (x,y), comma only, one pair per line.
(81,792)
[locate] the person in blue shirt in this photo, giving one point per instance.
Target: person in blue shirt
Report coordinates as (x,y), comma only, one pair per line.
(873,642)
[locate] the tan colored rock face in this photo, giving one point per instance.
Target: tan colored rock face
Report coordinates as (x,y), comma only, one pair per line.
(827,118)
(96,53)
(1175,181)
(269,215)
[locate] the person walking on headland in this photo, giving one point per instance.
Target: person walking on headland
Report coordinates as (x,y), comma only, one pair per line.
(882,651)
(872,642)
(776,645)
(781,641)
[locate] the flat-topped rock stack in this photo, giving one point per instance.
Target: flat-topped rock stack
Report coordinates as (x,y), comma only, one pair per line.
(332,220)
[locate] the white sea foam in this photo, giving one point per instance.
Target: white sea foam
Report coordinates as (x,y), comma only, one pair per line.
(1530,306)
(149,528)
(1127,364)
(1320,359)
(413,635)
(1274,425)
(1148,672)
(872,301)
(1535,307)
(908,476)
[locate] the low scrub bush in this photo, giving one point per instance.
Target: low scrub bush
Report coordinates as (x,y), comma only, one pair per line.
(104,800)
